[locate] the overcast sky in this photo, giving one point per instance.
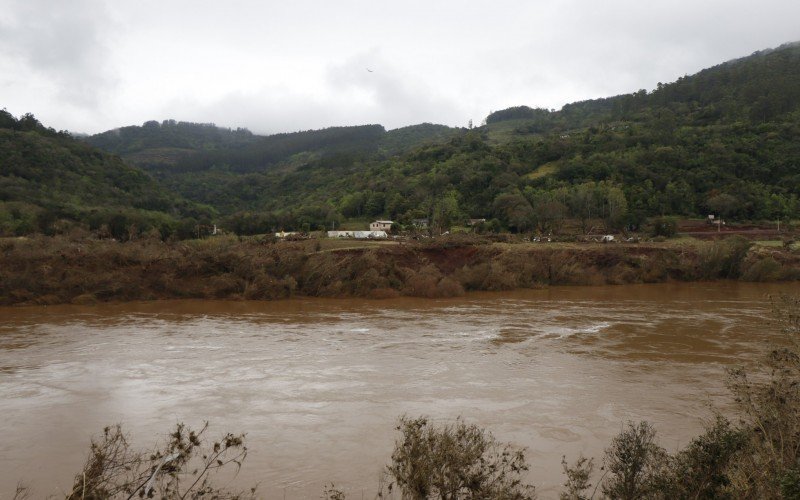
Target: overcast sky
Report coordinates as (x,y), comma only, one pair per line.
(278,66)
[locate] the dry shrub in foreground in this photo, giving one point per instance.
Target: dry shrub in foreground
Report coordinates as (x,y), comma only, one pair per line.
(769,403)
(453,461)
(635,463)
(636,467)
(183,468)
(756,457)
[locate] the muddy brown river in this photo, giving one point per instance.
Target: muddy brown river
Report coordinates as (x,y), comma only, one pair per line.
(318,385)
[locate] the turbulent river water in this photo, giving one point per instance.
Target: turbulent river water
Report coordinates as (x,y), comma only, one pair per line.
(318,385)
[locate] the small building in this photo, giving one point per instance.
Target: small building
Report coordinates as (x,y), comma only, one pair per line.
(381,225)
(286,234)
(475,222)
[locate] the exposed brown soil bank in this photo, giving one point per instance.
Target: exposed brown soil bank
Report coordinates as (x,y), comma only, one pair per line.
(59,270)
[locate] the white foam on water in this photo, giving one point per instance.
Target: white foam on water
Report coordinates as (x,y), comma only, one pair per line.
(466,336)
(562,332)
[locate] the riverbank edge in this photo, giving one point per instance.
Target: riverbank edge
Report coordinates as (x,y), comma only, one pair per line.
(49,271)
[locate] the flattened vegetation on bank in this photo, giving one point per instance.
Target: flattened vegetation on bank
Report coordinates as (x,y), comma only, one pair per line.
(45,270)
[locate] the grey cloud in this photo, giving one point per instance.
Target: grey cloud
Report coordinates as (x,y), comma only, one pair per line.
(63,42)
(297,65)
(267,111)
(350,94)
(392,96)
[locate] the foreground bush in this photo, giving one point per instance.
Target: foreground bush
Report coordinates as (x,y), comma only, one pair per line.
(635,463)
(769,403)
(183,468)
(453,461)
(757,456)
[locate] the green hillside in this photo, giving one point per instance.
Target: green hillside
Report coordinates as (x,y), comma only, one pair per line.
(721,141)
(185,146)
(266,152)
(759,88)
(205,163)
(50,182)
(170,135)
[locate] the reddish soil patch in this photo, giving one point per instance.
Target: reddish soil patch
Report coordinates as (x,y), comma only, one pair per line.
(450,259)
(704,230)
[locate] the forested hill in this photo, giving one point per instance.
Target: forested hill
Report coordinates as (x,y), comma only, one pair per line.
(158,144)
(758,88)
(722,141)
(329,145)
(51,182)
(272,150)
(184,146)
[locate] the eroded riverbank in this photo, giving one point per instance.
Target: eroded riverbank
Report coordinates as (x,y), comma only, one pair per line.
(47,271)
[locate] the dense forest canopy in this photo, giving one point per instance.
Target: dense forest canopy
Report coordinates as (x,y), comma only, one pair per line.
(183,146)
(518,113)
(722,141)
(51,182)
(170,134)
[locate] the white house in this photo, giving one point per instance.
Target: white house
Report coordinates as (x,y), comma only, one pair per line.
(381,225)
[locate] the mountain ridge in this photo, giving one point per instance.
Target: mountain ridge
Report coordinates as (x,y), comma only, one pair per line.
(720,141)
(684,149)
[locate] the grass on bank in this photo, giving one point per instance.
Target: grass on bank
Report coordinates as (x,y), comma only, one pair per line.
(769,243)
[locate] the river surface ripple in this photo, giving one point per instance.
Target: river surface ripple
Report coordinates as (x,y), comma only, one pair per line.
(318,384)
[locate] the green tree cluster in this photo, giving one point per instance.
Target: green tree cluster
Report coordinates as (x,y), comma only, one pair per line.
(52,183)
